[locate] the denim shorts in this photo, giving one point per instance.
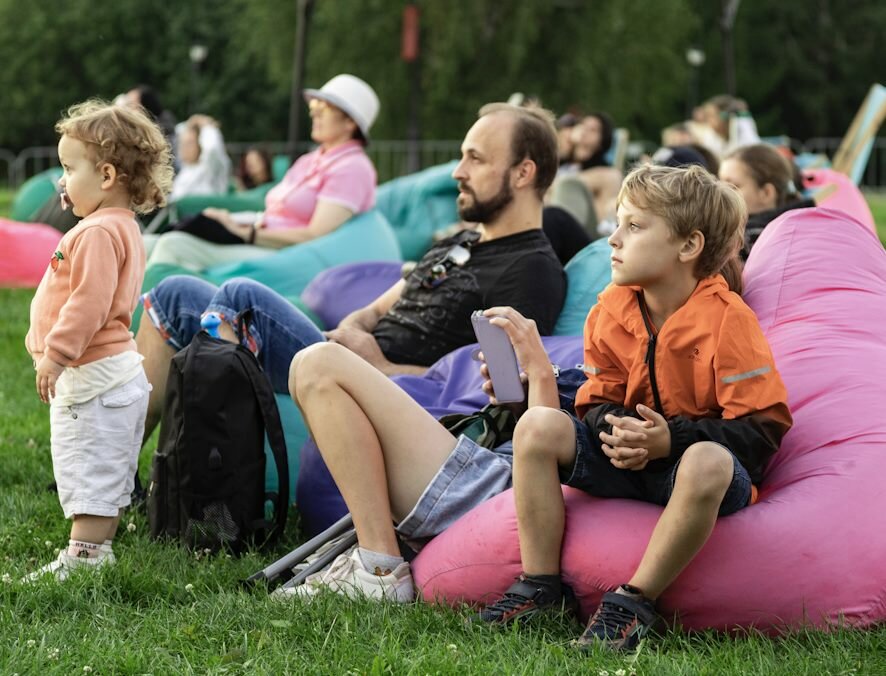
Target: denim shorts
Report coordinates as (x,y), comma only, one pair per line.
(593,473)
(277,330)
(471,475)
(95,447)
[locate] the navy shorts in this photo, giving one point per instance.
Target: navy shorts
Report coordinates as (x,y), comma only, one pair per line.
(593,473)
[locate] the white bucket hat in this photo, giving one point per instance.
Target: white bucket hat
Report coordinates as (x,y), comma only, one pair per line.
(356,98)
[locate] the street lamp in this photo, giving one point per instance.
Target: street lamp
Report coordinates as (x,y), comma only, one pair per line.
(197,53)
(695,58)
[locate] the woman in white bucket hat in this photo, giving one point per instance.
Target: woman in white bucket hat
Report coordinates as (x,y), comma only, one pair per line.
(322,190)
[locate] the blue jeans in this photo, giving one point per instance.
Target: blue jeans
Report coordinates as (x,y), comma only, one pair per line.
(277,330)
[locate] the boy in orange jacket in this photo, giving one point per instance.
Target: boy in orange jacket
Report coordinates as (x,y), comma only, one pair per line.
(116,161)
(683,405)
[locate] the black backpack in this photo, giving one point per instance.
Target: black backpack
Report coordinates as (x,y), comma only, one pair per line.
(208,476)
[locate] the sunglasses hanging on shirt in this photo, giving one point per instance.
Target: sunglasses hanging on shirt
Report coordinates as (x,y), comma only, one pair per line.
(455,256)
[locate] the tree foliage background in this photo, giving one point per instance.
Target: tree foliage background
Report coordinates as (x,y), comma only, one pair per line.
(803,66)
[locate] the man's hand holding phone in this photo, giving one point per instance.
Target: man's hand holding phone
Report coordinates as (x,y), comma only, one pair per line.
(536,382)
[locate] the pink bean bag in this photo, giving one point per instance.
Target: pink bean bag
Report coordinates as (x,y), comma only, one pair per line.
(812,551)
(843,196)
(25,250)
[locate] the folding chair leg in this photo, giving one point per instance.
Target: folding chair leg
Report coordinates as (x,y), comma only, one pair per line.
(349,539)
(282,567)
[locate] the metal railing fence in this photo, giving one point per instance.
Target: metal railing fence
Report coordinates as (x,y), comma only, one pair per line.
(392,157)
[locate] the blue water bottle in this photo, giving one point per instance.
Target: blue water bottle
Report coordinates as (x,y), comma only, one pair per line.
(210,322)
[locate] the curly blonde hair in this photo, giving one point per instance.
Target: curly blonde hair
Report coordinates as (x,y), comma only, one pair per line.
(689,199)
(128,139)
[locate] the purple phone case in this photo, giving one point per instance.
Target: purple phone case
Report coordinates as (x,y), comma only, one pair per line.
(504,371)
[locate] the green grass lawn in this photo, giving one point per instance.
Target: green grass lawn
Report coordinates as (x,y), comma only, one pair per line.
(163,610)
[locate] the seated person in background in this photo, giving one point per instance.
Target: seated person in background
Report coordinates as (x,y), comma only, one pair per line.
(726,124)
(684,156)
(765,179)
(205,167)
(393,462)
(254,169)
(592,139)
(509,159)
(321,191)
(565,143)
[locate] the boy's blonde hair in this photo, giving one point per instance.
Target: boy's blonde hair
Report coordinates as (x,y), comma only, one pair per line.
(129,140)
(689,199)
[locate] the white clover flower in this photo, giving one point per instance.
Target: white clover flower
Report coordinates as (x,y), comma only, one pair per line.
(87,669)
(603,672)
(30,643)
(189,587)
(53,654)
(7,578)
(48,543)
(131,527)
(452,647)
(620,672)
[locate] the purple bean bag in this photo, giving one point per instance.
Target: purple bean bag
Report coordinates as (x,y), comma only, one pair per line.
(811,552)
(338,291)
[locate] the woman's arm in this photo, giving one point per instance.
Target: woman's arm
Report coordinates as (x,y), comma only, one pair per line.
(328,216)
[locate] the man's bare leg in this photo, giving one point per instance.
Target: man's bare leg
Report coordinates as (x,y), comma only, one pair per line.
(380,446)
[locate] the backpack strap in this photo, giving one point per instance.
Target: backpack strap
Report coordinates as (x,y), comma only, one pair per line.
(274,430)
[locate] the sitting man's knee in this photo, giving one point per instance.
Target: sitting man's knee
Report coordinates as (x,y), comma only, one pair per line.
(706,466)
(312,367)
(538,432)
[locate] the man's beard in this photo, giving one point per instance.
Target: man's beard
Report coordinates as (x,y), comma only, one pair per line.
(489,210)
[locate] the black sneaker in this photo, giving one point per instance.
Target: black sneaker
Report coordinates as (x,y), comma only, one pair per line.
(524,599)
(620,622)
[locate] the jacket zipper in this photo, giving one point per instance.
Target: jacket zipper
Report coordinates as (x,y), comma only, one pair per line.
(650,355)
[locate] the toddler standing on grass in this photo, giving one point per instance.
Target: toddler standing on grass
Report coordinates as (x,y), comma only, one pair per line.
(116,162)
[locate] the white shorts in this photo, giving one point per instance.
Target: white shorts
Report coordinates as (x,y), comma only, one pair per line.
(95,448)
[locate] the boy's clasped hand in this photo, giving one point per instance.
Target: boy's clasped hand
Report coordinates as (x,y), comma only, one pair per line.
(633,443)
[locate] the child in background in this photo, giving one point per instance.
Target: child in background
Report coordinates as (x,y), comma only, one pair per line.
(116,162)
(683,406)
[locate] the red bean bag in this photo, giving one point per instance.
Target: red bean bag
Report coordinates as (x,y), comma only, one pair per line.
(25,250)
(812,550)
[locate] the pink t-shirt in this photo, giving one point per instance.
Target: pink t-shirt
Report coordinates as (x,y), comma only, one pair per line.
(343,175)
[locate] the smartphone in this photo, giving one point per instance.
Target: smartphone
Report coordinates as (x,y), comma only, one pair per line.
(504,371)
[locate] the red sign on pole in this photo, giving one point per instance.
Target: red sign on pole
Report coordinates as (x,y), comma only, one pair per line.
(409,38)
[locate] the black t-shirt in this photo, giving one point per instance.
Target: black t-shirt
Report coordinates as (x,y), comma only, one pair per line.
(432,318)
(565,233)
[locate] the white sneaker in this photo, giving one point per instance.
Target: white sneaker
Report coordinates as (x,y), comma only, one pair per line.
(62,566)
(348,576)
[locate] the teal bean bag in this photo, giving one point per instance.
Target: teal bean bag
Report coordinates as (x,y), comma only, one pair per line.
(248,200)
(296,433)
(365,237)
(418,205)
(587,274)
(34,193)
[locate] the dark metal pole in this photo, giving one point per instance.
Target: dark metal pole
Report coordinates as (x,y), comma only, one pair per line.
(410,52)
(296,104)
(727,22)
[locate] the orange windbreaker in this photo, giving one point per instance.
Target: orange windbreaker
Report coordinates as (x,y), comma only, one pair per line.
(712,368)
